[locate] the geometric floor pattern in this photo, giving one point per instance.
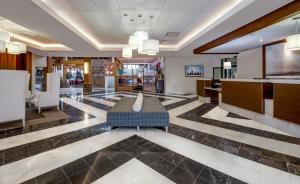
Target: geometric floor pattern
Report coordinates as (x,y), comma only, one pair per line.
(199,147)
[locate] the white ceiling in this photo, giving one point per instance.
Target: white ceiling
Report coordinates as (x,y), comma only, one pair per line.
(256,39)
(83,25)
(107,16)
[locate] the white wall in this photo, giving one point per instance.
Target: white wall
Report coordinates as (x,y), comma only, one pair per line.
(37,61)
(175,80)
(249,64)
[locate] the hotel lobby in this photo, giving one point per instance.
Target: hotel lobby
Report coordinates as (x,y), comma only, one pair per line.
(150,91)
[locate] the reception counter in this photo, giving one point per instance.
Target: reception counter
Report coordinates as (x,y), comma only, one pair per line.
(273,102)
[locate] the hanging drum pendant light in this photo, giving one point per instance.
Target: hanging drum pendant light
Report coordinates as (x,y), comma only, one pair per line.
(127,52)
(293,41)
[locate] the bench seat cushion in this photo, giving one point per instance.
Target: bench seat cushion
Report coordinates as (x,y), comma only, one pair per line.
(152,113)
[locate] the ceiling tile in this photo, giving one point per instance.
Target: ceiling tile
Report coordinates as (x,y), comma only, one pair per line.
(174,4)
(107,4)
(141,4)
(88,5)
(199,5)
(90,14)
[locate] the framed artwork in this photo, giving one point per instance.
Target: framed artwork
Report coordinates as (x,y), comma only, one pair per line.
(194,70)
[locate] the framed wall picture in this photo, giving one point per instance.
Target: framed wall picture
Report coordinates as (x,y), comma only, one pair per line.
(194,70)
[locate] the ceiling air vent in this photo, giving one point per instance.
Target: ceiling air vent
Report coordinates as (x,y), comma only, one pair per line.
(172,34)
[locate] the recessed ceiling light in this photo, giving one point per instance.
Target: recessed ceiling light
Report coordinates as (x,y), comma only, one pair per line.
(139,15)
(125,14)
(261,40)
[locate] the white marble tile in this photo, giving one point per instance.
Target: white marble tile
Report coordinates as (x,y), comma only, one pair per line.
(46,133)
(101,101)
(240,168)
(31,167)
(266,143)
(133,172)
(219,114)
(184,108)
(86,108)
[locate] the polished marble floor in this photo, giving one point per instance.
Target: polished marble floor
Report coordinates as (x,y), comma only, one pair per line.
(204,144)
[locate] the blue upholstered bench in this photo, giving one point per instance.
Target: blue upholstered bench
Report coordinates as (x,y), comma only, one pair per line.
(153,114)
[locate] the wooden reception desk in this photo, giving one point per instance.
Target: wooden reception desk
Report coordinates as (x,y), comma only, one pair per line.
(287,101)
(273,102)
(246,94)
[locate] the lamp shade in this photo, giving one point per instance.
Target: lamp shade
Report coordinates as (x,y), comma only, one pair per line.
(2,46)
(127,52)
(142,35)
(13,48)
(4,36)
(151,46)
(227,65)
(22,47)
(134,42)
(293,42)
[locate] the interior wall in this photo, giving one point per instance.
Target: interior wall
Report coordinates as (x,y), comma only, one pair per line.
(249,64)
(175,80)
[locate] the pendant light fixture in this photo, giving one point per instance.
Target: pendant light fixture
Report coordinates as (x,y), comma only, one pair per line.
(151,46)
(4,37)
(127,52)
(13,48)
(293,41)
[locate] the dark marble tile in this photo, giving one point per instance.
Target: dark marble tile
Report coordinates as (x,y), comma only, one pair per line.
(147,157)
(32,181)
(273,155)
(103,167)
(54,176)
(124,144)
(120,158)
(94,158)
(173,157)
(134,150)
(14,154)
(294,169)
(158,150)
(229,146)
(162,166)
(73,136)
(110,150)
(282,165)
(180,131)
(234,181)
(98,129)
(212,141)
(37,147)
(74,167)
(211,176)
(2,134)
(250,152)
(84,176)
(146,144)
(292,160)
(14,132)
(191,166)
(197,136)
(56,141)
(180,176)
(135,139)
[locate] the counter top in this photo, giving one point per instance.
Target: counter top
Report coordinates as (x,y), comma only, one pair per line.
(275,81)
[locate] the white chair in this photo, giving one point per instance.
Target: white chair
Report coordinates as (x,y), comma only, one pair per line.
(29,95)
(51,96)
(12,95)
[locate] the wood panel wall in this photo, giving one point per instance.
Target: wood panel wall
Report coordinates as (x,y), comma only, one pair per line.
(246,95)
(201,84)
(287,102)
